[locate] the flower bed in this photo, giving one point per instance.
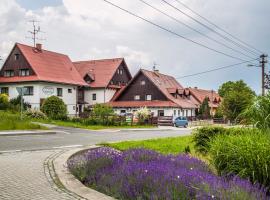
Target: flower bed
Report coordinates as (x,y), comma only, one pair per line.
(146,174)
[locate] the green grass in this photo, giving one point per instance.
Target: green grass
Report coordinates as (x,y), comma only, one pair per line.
(172,145)
(12,121)
(91,127)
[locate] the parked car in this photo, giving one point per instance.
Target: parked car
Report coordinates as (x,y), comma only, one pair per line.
(180,121)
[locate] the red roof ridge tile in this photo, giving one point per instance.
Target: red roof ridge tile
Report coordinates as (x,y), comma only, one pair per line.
(99,60)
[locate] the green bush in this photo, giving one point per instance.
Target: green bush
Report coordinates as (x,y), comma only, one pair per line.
(35,114)
(203,136)
(54,108)
(15,104)
(246,155)
(4,104)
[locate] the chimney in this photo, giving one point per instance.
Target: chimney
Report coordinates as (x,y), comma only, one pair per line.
(39,47)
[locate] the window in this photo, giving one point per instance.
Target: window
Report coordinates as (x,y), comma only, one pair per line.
(9,73)
(178,112)
(148,97)
(4,90)
(120,71)
(29,91)
(69,90)
(16,56)
(137,97)
(59,92)
(142,82)
(174,112)
(24,72)
(94,97)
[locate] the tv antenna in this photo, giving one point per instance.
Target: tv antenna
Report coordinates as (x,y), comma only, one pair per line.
(155,66)
(36,30)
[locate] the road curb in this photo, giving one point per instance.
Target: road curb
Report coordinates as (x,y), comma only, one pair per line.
(69,182)
(19,133)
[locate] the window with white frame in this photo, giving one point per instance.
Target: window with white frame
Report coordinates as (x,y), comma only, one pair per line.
(143,82)
(148,97)
(137,97)
(24,72)
(94,96)
(29,91)
(9,73)
(4,90)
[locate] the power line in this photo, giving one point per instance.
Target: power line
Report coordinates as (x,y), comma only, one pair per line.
(197,31)
(218,27)
(211,29)
(172,32)
(215,69)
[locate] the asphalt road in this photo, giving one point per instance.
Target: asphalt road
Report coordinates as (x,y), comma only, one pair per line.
(71,137)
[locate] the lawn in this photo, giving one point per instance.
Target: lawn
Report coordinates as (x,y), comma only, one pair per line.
(12,121)
(91,127)
(172,145)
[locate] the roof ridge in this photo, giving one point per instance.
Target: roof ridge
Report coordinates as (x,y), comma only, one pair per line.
(17,43)
(99,60)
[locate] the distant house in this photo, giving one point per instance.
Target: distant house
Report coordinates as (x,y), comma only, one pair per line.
(161,93)
(104,78)
(42,74)
(198,96)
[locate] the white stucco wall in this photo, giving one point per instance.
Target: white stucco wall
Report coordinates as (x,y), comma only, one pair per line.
(102,95)
(70,99)
(167,111)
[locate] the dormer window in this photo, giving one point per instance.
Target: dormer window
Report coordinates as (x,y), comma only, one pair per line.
(16,56)
(24,72)
(8,73)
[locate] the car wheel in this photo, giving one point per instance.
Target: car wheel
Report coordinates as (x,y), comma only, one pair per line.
(186,126)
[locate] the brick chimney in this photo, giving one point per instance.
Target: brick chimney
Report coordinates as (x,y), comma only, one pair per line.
(39,47)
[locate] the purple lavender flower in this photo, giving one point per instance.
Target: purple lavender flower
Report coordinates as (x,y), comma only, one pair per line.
(146,174)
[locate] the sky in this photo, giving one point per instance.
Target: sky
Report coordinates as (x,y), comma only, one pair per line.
(93,29)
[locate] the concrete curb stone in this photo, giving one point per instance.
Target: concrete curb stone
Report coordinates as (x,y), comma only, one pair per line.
(72,184)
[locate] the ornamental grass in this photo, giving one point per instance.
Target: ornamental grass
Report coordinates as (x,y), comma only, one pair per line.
(146,174)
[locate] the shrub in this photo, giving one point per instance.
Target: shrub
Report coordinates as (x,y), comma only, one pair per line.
(4,104)
(203,136)
(35,114)
(143,114)
(246,155)
(145,174)
(15,104)
(54,108)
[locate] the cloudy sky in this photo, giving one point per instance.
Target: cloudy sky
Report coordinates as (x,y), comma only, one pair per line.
(92,29)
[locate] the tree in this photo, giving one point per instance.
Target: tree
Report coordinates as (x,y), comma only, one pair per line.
(54,108)
(4,102)
(204,110)
(143,114)
(237,96)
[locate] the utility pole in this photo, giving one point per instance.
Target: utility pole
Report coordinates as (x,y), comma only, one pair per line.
(263,61)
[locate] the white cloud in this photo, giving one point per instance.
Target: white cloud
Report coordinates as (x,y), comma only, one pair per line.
(86,29)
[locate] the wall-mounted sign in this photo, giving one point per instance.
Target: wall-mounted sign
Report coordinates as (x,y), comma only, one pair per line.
(48,90)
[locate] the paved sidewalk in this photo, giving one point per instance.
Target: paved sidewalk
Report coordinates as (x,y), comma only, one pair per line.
(23,176)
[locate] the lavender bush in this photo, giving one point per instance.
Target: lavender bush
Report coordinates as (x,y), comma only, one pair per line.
(146,174)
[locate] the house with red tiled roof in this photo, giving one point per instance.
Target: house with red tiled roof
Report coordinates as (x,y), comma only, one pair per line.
(161,93)
(104,78)
(42,74)
(198,96)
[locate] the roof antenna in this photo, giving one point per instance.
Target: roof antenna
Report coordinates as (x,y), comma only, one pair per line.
(36,30)
(155,67)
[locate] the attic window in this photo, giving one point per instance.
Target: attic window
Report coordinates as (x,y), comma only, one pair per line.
(24,72)
(137,97)
(9,73)
(16,56)
(142,82)
(120,71)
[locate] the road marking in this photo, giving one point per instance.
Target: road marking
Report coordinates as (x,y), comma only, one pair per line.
(10,151)
(70,146)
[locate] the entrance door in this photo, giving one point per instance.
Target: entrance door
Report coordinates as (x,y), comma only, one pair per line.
(161,113)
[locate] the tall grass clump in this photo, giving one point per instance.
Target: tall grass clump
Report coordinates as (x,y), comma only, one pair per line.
(11,121)
(145,174)
(246,155)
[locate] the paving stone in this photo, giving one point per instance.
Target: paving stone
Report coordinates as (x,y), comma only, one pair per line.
(23,176)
